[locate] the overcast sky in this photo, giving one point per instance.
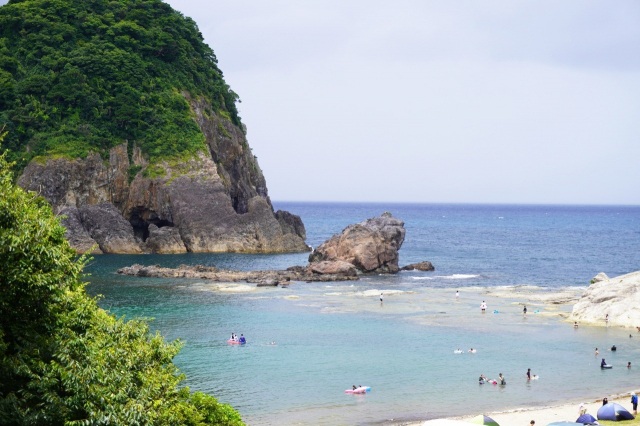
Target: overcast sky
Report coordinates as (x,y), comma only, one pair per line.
(439,101)
(435,101)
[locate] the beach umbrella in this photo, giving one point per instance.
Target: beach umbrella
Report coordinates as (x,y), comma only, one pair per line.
(586,419)
(483,420)
(615,412)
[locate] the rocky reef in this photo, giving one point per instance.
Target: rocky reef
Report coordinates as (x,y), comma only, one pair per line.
(215,201)
(610,301)
(261,278)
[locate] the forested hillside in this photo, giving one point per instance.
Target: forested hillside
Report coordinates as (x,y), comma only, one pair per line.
(81,76)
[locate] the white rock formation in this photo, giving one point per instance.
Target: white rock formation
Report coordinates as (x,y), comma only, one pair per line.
(618,297)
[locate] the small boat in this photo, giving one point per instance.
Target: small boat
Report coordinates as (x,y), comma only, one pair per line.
(235,342)
(605,366)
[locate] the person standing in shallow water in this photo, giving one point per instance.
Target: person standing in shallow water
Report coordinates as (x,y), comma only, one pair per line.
(501,379)
(528,374)
(524,310)
(483,307)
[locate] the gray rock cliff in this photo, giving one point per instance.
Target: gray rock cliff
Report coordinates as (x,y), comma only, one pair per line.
(216,201)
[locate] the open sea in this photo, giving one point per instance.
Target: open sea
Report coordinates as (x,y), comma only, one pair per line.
(309,342)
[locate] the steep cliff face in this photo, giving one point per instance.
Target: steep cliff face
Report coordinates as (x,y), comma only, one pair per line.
(216,201)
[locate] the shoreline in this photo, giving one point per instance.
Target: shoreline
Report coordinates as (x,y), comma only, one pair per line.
(568,411)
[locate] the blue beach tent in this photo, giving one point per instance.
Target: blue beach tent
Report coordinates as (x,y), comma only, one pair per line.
(586,419)
(615,412)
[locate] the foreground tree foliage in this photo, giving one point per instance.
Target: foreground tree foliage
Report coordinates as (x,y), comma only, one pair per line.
(81,76)
(65,361)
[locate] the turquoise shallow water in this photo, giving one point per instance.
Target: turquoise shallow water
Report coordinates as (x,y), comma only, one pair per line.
(330,336)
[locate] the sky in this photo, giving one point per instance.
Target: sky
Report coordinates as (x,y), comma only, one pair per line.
(435,101)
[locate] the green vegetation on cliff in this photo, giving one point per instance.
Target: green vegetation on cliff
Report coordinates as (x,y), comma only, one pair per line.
(81,76)
(65,361)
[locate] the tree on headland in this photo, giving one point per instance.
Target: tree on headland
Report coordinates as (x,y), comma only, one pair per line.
(64,360)
(85,76)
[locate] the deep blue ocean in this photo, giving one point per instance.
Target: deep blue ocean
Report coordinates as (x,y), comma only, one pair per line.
(311,341)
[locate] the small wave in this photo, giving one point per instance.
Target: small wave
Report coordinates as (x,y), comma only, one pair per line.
(369,293)
(458,276)
(422,278)
(335,293)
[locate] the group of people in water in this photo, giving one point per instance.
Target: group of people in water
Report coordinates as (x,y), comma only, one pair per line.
(501,380)
(235,338)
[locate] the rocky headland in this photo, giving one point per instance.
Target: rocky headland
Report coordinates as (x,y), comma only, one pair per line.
(617,297)
(216,201)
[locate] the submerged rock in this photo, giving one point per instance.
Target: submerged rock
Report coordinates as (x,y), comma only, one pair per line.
(617,297)
(370,246)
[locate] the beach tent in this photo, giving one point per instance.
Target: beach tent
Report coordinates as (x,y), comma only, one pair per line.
(483,420)
(615,412)
(586,419)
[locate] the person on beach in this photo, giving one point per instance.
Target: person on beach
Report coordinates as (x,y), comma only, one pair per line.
(575,324)
(597,352)
(605,400)
(524,310)
(457,294)
(629,364)
(501,379)
(532,422)
(582,409)
(606,320)
(381,298)
(483,307)
(528,374)
(634,402)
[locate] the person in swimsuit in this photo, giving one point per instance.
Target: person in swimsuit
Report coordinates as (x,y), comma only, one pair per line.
(528,374)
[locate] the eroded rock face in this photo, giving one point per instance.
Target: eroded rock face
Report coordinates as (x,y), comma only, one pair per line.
(215,202)
(164,240)
(370,246)
(617,297)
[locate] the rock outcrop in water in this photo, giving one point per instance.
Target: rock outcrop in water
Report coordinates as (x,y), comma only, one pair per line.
(420,266)
(370,246)
(617,297)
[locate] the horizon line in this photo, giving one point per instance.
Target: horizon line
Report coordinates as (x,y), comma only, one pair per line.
(461,203)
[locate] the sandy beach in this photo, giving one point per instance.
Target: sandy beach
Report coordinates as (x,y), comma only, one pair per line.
(542,415)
